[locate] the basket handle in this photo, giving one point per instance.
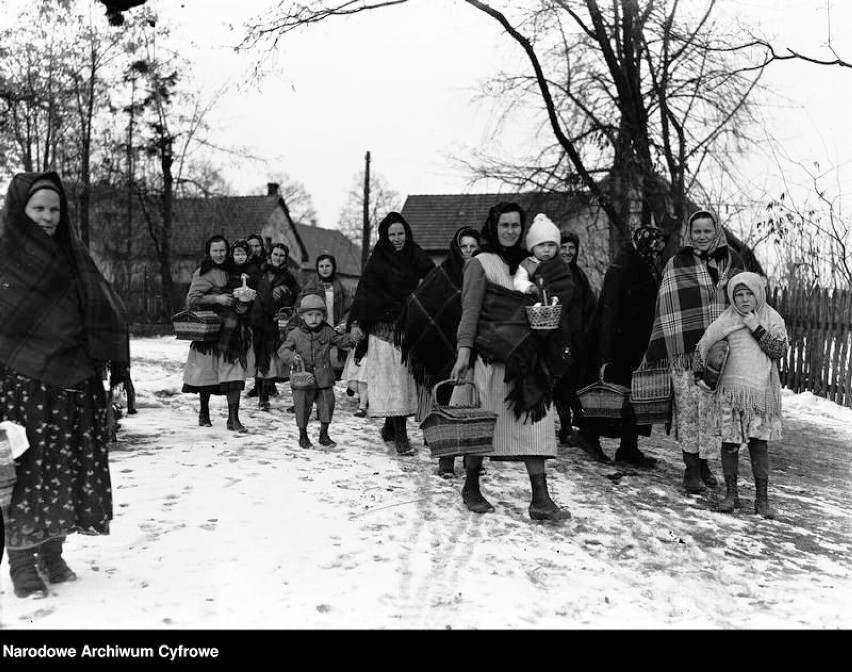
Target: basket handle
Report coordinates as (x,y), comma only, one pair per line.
(601,374)
(454,382)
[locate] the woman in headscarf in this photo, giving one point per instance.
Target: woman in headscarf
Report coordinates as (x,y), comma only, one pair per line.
(279,289)
(693,293)
(61,324)
(428,326)
(219,367)
(510,375)
(621,325)
(257,250)
(337,299)
(396,266)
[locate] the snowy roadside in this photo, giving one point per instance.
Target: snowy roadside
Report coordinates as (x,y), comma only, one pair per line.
(217,530)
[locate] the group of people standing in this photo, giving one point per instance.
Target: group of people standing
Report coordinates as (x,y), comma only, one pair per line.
(410,325)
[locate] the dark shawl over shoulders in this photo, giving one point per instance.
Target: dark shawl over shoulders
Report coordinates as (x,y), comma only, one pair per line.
(59,317)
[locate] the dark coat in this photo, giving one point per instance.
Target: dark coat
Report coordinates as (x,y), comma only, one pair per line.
(621,324)
(314,347)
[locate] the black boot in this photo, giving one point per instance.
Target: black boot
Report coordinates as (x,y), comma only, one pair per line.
(542,506)
(304,441)
(446,467)
(263,396)
(234,423)
(388,430)
(628,452)
(692,474)
(730,467)
(25,578)
(51,564)
(591,445)
(256,391)
(471,495)
(759,452)
(204,412)
(707,476)
(325,439)
(400,439)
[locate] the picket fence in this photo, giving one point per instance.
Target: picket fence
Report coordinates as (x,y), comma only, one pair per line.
(819,327)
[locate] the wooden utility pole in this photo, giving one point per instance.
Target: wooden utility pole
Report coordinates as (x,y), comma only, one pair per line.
(365,235)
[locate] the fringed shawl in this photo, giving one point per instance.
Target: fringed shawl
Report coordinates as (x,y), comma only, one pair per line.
(235,336)
(59,317)
(750,381)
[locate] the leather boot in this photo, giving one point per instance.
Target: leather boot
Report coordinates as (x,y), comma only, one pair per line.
(446,467)
(542,506)
(707,476)
(234,423)
(388,430)
(471,495)
(692,474)
(25,578)
(730,467)
(256,390)
(51,564)
(759,453)
(204,412)
(400,439)
(324,438)
(591,445)
(263,396)
(304,440)
(629,453)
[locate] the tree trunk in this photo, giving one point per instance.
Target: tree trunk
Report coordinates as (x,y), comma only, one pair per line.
(165,249)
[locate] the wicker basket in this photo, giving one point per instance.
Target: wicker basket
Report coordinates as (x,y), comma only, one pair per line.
(301,379)
(458,430)
(544,317)
(605,400)
(651,396)
(197,325)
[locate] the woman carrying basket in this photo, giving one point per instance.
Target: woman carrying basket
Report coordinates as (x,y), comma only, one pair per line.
(525,429)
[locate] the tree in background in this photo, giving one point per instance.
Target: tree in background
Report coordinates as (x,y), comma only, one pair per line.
(383,200)
(298,200)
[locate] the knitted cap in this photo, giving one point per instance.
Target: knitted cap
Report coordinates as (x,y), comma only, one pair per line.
(311,302)
(542,230)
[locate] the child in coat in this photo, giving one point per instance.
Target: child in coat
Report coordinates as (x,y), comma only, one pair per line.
(747,405)
(543,243)
(309,343)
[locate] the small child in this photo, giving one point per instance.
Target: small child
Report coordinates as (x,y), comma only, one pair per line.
(543,242)
(310,343)
(747,405)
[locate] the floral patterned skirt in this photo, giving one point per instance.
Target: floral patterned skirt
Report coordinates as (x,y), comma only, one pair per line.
(63,483)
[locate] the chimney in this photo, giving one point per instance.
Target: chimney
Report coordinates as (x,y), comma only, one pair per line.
(271,188)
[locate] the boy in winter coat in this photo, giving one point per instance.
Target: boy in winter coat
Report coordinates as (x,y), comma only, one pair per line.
(309,343)
(747,406)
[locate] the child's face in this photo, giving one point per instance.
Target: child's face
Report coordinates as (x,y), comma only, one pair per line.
(744,300)
(239,255)
(545,251)
(312,318)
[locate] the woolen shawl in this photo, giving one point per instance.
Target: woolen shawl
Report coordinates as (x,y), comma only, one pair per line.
(389,278)
(59,314)
(688,300)
(750,381)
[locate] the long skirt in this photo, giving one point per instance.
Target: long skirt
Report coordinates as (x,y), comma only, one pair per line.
(391,387)
(62,481)
(355,373)
(210,372)
(693,419)
(513,438)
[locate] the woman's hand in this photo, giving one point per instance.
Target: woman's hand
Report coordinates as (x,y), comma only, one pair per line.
(297,359)
(751,321)
(462,362)
(225,300)
(356,333)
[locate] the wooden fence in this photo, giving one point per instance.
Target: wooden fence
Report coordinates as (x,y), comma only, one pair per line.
(819,327)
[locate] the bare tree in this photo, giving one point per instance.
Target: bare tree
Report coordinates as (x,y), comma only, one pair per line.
(383,200)
(298,200)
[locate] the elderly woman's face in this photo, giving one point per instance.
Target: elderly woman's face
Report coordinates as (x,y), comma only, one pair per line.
(325,268)
(255,246)
(702,233)
(44,209)
(468,246)
(509,228)
(396,236)
(239,255)
(218,251)
(278,257)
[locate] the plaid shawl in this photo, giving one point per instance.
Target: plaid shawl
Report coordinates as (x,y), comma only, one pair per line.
(60,317)
(235,336)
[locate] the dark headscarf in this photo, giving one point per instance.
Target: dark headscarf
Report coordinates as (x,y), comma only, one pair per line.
(514,255)
(261,257)
(453,265)
(389,277)
(207,263)
(333,261)
(60,317)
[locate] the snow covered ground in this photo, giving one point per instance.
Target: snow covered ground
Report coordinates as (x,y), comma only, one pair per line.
(218,530)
